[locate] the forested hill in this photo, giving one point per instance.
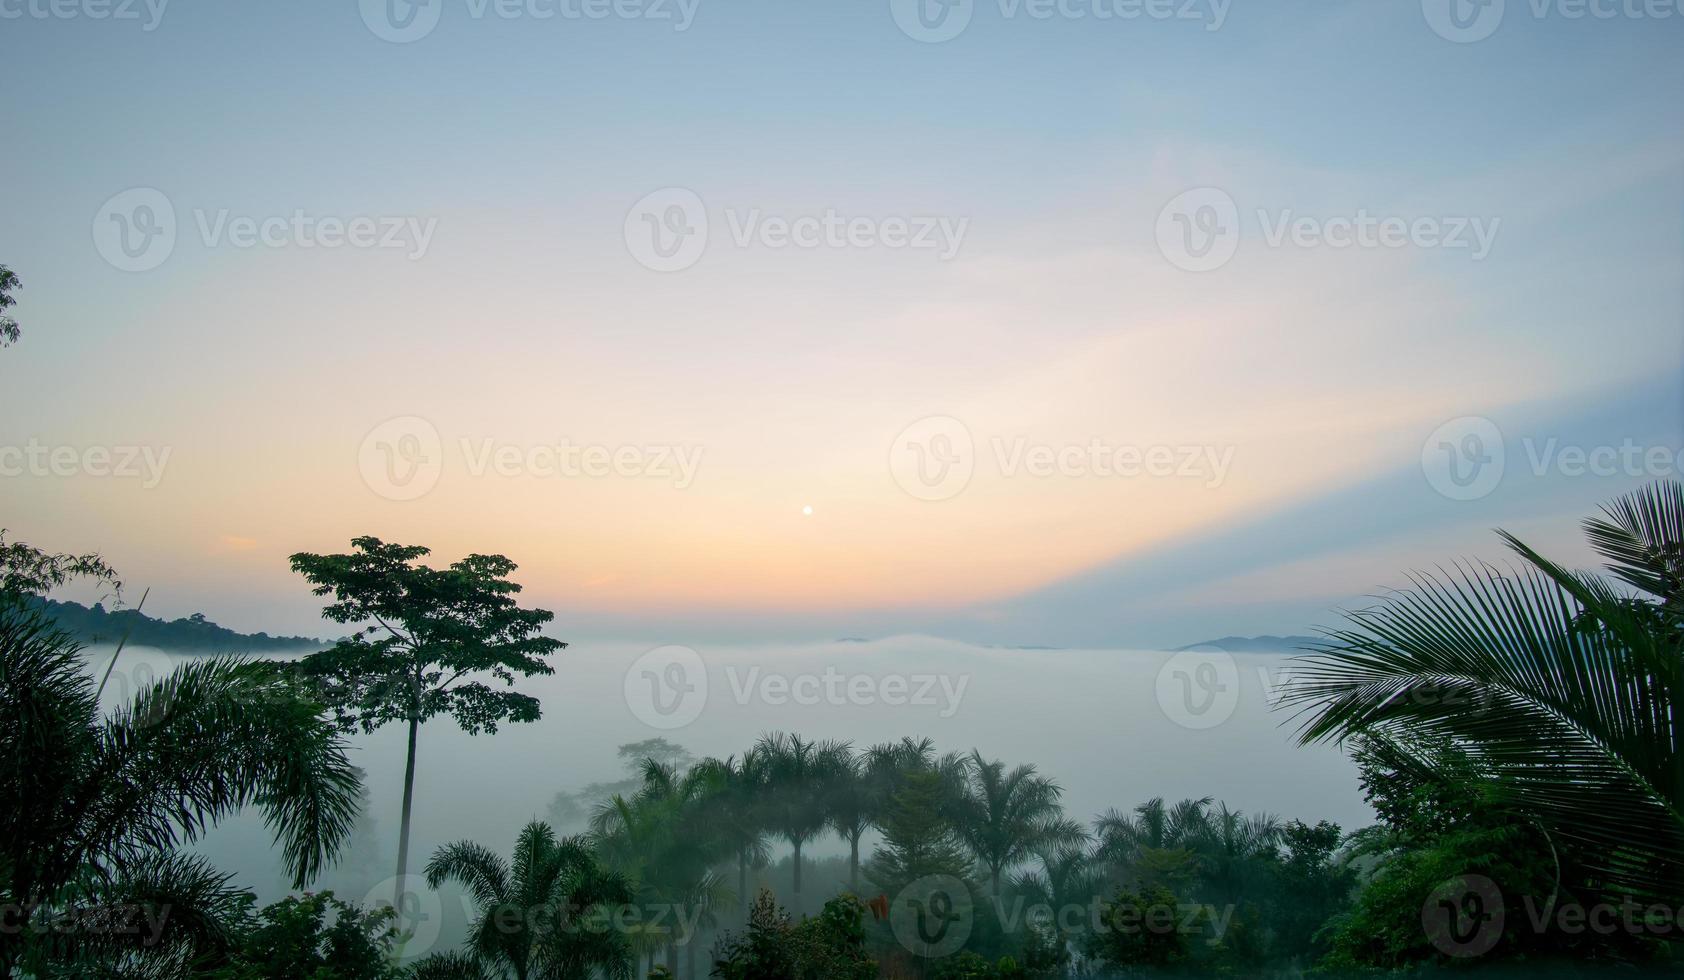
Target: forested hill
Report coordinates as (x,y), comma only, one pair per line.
(193,634)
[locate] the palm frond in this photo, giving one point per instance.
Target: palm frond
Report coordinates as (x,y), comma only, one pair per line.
(1642,539)
(1578,722)
(211,738)
(475,867)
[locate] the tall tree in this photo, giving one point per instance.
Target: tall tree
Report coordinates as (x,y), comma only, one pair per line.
(1564,685)
(9,330)
(1004,816)
(798,774)
(92,808)
(853,805)
(426,636)
(736,813)
(1235,851)
(1065,877)
(1153,845)
(918,838)
(665,840)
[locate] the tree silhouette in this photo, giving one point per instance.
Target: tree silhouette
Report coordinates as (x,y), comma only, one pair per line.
(92,808)
(1004,816)
(798,774)
(9,330)
(433,631)
(532,910)
(1563,685)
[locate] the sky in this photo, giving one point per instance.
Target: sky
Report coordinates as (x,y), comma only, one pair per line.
(1095,323)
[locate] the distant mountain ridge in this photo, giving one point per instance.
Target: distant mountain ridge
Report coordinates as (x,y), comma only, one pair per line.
(193,634)
(1257,644)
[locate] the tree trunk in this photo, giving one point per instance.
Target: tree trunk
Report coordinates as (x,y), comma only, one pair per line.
(994,876)
(797,877)
(690,956)
(854,864)
(403,823)
(742,884)
(672,960)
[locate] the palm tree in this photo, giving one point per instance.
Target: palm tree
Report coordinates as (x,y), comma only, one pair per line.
(1004,816)
(798,774)
(92,808)
(454,965)
(852,805)
(1152,843)
(1066,877)
(531,908)
(734,803)
(1562,684)
(888,765)
(1233,850)
(663,840)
